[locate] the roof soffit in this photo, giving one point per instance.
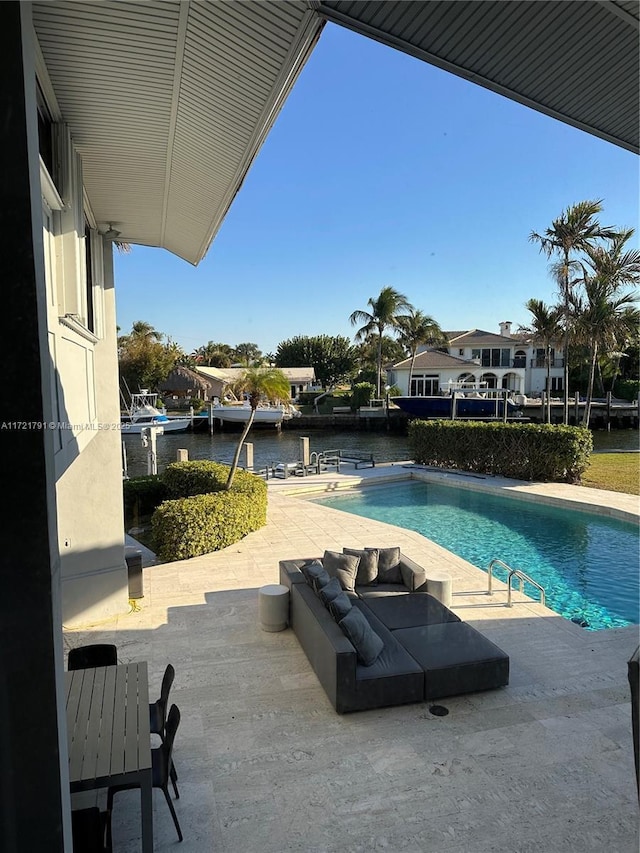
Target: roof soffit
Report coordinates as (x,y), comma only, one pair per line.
(169,103)
(540,54)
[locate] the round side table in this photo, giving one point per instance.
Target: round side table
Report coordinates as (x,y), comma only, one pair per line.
(273,607)
(439,586)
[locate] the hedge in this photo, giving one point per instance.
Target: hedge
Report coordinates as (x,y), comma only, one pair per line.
(541,452)
(183,479)
(200,516)
(141,496)
(188,527)
(192,513)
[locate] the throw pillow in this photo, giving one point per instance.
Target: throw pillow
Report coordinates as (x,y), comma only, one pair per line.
(305,569)
(367,567)
(388,565)
(317,576)
(330,591)
(342,566)
(340,606)
(367,643)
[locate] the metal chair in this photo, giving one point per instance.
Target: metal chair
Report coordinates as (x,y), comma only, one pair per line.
(85,657)
(160,769)
(158,710)
(88,828)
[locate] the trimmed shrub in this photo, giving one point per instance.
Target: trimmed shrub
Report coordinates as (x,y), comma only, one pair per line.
(188,527)
(183,479)
(200,516)
(543,452)
(141,496)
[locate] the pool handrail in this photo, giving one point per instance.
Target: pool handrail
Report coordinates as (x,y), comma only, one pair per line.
(517,573)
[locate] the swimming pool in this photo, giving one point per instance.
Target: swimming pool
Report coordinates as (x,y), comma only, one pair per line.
(589,565)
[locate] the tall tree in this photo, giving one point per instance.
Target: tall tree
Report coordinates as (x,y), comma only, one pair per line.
(257,384)
(546,326)
(574,230)
(606,314)
(248,353)
(213,354)
(144,360)
(141,329)
(333,357)
(385,311)
(417,328)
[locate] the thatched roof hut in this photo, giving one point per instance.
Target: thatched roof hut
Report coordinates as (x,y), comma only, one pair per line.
(183,382)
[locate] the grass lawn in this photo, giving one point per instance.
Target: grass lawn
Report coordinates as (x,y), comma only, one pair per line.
(618,472)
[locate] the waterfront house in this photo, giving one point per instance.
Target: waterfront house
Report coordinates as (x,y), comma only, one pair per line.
(184,384)
(300,378)
(514,361)
(138,122)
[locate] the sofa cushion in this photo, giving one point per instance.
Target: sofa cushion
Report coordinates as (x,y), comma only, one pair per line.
(342,566)
(455,658)
(388,565)
(381,590)
(330,590)
(409,611)
(316,575)
(366,642)
(340,606)
(367,567)
(307,568)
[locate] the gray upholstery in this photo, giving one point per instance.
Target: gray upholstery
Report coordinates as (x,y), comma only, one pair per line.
(342,566)
(409,611)
(367,567)
(428,652)
(388,565)
(395,678)
(367,643)
(455,658)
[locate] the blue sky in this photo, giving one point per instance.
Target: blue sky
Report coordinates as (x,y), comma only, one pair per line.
(381,170)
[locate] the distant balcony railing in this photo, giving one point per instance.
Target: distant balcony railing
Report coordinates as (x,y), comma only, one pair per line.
(541,362)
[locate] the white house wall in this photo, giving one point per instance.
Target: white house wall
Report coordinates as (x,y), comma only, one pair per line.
(83,373)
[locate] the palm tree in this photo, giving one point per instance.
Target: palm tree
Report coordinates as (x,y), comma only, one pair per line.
(141,329)
(547,327)
(574,230)
(214,354)
(385,312)
(248,353)
(418,328)
(257,384)
(606,315)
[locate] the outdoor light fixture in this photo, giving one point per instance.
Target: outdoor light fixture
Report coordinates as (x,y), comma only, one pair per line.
(112,233)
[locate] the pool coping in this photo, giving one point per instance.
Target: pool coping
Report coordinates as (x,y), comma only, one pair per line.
(617,505)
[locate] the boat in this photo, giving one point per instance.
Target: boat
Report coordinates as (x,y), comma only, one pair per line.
(143,412)
(265,414)
(463,400)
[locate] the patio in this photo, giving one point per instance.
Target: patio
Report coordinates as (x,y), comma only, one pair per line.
(265,764)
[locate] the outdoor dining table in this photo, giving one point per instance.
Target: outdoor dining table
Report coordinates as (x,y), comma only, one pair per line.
(108,733)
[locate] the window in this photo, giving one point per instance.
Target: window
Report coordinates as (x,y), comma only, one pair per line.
(556,383)
(424,386)
(461,351)
(494,357)
(89,312)
(45,133)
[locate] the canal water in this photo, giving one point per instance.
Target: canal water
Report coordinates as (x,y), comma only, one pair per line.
(271,445)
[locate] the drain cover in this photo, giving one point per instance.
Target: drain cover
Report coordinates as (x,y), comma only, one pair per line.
(438,710)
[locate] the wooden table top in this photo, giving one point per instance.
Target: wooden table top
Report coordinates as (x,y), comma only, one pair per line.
(107,725)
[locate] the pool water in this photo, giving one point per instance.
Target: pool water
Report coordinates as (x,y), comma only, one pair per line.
(589,565)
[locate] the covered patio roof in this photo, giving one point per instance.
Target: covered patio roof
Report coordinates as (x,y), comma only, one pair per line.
(169,103)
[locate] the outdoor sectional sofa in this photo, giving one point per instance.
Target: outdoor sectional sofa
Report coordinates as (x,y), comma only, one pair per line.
(424,651)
